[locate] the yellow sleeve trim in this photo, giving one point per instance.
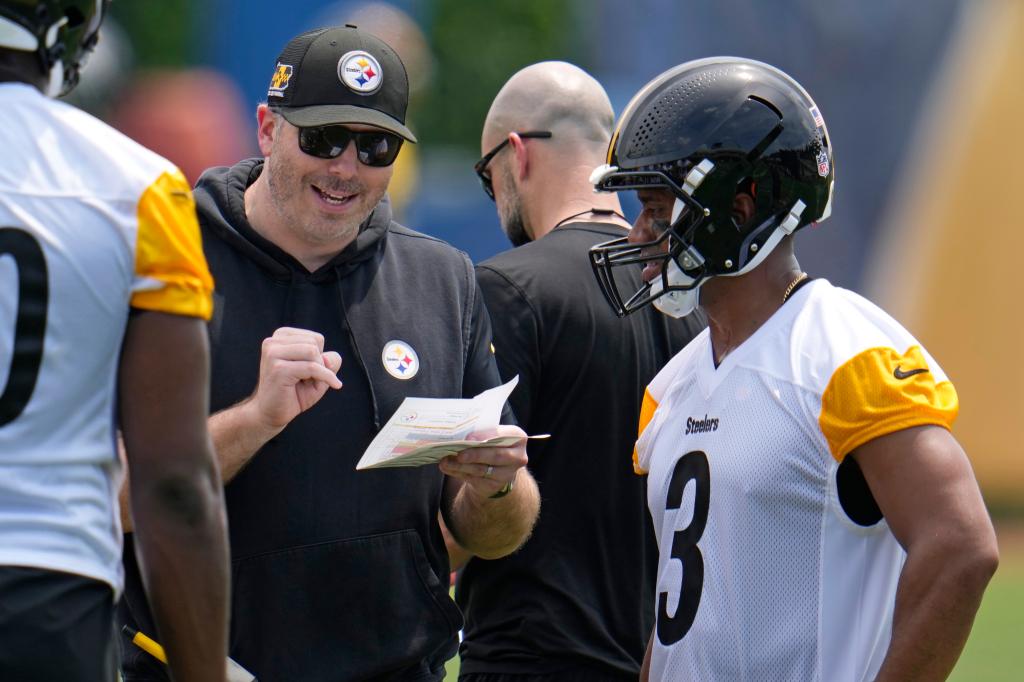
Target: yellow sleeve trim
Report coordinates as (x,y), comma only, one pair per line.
(881,391)
(170,268)
(647,408)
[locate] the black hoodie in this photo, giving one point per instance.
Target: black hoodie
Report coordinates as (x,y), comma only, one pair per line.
(336,574)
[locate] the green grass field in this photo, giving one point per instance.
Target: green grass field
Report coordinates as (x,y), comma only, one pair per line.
(995,651)
(452,670)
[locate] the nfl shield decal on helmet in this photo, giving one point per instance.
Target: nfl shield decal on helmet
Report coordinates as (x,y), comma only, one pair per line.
(822,163)
(400,360)
(360,72)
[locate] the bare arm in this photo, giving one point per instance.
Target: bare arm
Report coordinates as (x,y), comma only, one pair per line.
(645,667)
(177,501)
(925,487)
(458,556)
(295,373)
(483,526)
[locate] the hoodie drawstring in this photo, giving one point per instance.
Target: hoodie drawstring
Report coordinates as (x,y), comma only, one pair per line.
(289,302)
(355,349)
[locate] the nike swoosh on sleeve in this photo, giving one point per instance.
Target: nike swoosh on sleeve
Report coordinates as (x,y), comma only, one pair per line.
(900,374)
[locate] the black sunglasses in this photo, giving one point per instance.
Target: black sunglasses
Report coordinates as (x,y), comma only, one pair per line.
(373,147)
(481,166)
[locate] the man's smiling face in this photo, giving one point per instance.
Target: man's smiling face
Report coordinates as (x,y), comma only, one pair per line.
(321,201)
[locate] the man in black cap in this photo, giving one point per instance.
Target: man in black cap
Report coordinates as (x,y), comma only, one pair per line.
(338,574)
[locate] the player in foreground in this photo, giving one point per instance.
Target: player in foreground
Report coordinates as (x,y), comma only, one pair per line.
(93,226)
(816,519)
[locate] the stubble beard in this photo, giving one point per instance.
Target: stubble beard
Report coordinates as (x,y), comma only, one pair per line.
(510,213)
(288,190)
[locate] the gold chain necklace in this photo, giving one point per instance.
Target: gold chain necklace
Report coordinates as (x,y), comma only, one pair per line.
(792,285)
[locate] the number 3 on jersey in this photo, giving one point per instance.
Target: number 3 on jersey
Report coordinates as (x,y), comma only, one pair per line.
(693,466)
(30,325)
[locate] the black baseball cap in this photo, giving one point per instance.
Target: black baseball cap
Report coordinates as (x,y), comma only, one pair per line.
(340,75)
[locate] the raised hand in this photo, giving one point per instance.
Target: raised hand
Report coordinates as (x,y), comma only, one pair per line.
(295,373)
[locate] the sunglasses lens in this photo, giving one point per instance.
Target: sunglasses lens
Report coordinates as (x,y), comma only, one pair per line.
(377,149)
(330,142)
(327,142)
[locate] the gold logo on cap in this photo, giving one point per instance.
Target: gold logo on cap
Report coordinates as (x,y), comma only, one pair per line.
(280,79)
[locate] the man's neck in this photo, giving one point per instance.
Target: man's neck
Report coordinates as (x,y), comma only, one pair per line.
(9,77)
(737,307)
(597,207)
(556,191)
(17,66)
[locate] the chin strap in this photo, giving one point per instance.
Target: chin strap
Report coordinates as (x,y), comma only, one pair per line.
(55,84)
(786,227)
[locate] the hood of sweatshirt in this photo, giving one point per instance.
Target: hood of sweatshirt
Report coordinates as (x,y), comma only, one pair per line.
(220,200)
(221,192)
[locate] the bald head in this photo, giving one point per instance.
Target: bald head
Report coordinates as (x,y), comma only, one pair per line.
(554,96)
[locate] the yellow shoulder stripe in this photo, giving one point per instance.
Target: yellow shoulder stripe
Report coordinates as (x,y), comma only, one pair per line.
(169,258)
(647,409)
(881,391)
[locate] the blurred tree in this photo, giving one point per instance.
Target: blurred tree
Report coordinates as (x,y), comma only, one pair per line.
(477,46)
(159,30)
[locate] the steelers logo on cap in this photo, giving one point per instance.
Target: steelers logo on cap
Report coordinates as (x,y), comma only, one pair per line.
(360,72)
(400,360)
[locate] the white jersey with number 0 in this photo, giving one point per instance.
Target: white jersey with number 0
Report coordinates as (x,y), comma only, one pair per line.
(90,225)
(763,574)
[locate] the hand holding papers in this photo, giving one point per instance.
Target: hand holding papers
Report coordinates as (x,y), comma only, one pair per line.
(426,430)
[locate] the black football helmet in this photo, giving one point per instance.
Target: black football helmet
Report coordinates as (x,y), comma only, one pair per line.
(60,32)
(705,130)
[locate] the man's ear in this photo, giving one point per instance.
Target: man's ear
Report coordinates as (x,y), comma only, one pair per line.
(266,128)
(743,208)
(520,159)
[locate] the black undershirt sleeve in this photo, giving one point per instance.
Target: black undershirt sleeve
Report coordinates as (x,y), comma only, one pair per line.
(481,372)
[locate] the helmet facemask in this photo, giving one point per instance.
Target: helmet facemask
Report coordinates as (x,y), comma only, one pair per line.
(708,131)
(62,33)
(674,290)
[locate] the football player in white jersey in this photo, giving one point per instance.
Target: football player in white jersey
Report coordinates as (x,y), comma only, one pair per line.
(816,519)
(103,294)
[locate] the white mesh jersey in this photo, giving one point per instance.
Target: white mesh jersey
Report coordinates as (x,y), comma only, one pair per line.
(90,225)
(762,574)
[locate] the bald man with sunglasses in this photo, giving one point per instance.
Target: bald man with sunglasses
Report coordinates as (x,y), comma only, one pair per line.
(339,574)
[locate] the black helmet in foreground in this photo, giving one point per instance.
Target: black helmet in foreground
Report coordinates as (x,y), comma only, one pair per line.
(60,32)
(705,130)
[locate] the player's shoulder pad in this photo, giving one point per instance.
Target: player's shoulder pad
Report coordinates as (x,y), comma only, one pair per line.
(872,376)
(117,164)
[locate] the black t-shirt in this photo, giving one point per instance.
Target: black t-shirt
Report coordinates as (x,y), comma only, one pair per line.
(580,593)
